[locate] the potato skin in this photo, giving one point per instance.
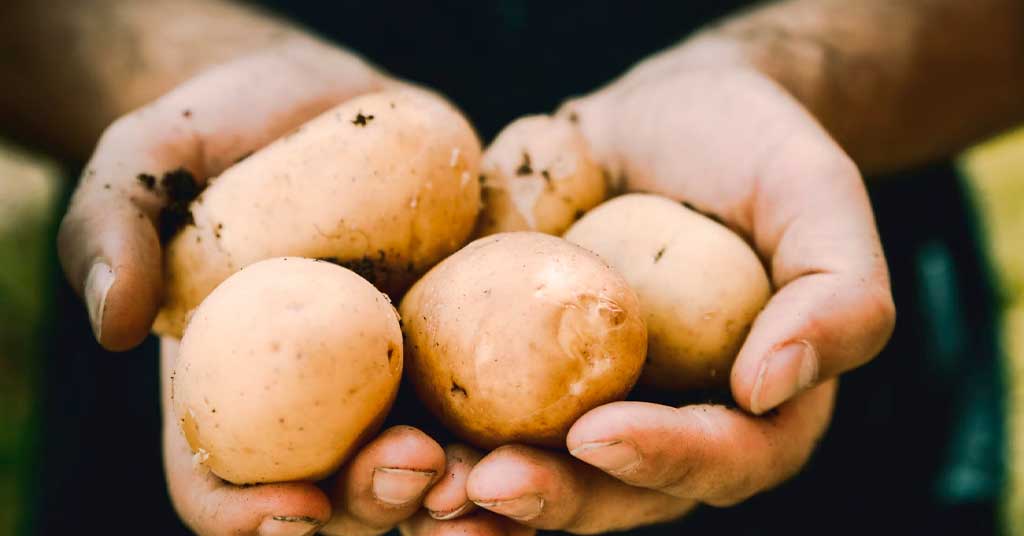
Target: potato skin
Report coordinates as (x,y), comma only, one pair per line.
(514,337)
(538,175)
(700,285)
(385,184)
(285,368)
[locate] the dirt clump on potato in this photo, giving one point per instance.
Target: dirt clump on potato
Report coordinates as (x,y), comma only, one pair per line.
(383,183)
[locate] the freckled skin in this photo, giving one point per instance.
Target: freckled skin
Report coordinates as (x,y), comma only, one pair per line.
(517,335)
(278,379)
(700,285)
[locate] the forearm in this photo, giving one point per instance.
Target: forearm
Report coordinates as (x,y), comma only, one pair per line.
(896,83)
(71,67)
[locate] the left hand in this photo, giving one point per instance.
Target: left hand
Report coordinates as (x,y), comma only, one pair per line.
(648,463)
(722,136)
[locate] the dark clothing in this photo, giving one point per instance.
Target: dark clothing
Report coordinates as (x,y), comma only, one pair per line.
(916,443)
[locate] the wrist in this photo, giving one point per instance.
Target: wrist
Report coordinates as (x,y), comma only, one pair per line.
(798,65)
(608,117)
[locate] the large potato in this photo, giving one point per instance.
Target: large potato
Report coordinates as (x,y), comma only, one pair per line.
(700,284)
(284,369)
(517,335)
(538,175)
(385,184)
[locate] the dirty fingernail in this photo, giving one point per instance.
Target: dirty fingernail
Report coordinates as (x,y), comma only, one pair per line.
(611,456)
(786,372)
(521,508)
(400,486)
(97,284)
(451,514)
(288,526)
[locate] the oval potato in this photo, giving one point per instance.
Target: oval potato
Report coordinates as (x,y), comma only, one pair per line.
(384,184)
(538,175)
(284,369)
(700,285)
(517,335)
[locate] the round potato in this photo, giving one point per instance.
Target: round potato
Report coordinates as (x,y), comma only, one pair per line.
(538,175)
(384,184)
(699,283)
(284,369)
(517,335)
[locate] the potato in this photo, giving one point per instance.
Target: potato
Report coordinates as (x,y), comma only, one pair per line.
(384,184)
(700,285)
(538,175)
(517,335)
(284,369)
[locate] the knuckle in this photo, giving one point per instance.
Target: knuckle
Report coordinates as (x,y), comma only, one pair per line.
(879,315)
(884,306)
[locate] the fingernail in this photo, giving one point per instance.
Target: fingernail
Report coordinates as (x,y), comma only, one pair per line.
(400,486)
(611,456)
(97,284)
(451,514)
(784,373)
(288,526)
(521,508)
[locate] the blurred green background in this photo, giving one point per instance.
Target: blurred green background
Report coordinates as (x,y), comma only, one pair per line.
(29,186)
(31,189)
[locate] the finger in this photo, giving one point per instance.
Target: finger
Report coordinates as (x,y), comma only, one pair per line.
(108,240)
(385,482)
(552,491)
(833,310)
(712,454)
(786,186)
(479,523)
(212,507)
(447,499)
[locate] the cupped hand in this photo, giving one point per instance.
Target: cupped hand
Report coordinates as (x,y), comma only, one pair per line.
(110,248)
(383,484)
(729,141)
(109,240)
(401,478)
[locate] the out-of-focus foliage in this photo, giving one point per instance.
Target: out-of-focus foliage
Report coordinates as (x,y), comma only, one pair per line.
(28,189)
(996,171)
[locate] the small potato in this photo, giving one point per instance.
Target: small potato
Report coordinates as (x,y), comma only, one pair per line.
(517,335)
(285,368)
(700,285)
(384,184)
(538,175)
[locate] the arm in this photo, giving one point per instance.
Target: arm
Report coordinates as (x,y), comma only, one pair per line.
(895,83)
(70,68)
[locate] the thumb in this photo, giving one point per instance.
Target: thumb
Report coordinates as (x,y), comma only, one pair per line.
(108,244)
(149,164)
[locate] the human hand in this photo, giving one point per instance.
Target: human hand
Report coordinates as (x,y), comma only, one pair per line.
(109,239)
(111,252)
(722,137)
(383,484)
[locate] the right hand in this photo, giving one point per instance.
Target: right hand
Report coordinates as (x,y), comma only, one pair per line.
(402,476)
(110,251)
(108,241)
